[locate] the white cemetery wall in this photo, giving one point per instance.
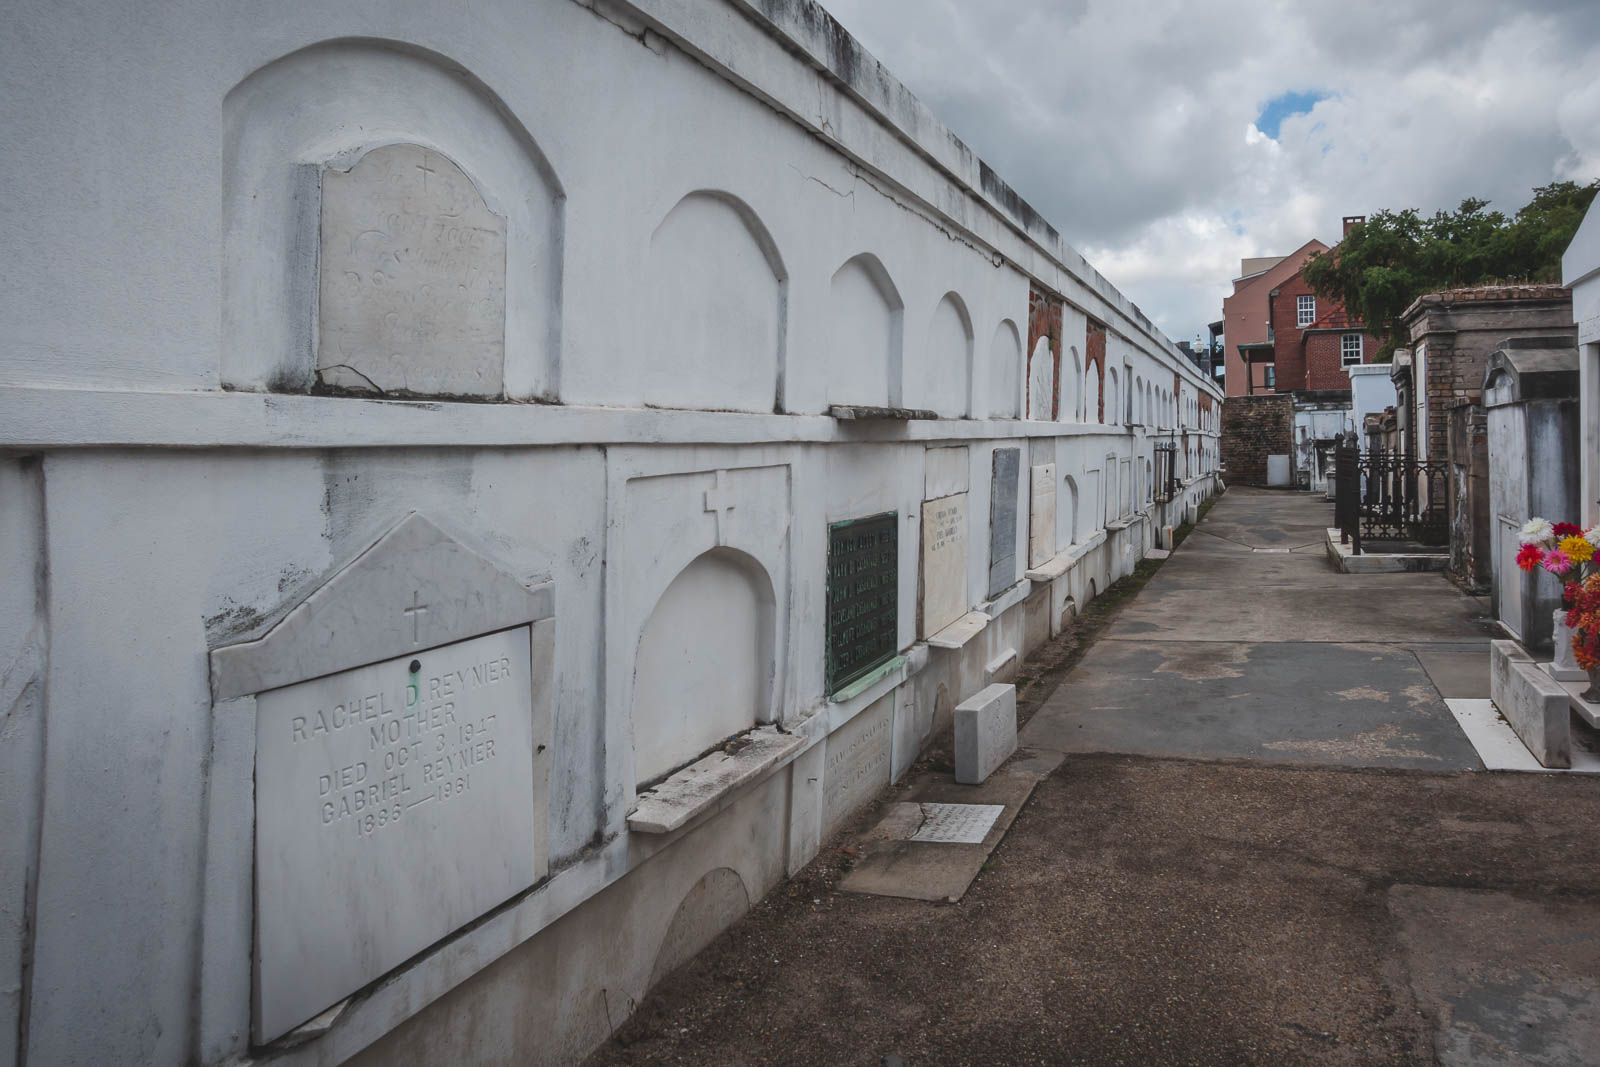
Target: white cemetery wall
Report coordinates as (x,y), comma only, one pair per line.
(162,369)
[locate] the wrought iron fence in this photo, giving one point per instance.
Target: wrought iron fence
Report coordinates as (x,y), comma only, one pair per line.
(1165,476)
(1382,495)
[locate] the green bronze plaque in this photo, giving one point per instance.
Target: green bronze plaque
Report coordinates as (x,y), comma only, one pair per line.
(863,596)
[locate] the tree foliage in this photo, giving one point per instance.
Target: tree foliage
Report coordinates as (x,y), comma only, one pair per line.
(1385,263)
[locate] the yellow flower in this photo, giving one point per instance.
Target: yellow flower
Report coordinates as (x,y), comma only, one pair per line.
(1576,547)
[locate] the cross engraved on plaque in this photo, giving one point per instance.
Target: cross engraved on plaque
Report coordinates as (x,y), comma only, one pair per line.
(719,501)
(415,613)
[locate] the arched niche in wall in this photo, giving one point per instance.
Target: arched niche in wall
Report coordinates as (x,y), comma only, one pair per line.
(1091,393)
(1138,399)
(1070,510)
(1005,372)
(319,111)
(1072,387)
(865,316)
(1112,396)
(1041,381)
(945,381)
(713,312)
(704,668)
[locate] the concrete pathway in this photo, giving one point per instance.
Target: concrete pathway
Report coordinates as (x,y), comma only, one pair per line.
(1248,645)
(1242,859)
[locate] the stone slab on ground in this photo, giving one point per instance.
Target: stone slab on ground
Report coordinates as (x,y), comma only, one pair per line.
(985,733)
(893,865)
(1535,704)
(1502,750)
(1285,701)
(1460,672)
(1506,980)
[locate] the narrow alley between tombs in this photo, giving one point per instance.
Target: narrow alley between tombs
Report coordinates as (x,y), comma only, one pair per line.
(1266,841)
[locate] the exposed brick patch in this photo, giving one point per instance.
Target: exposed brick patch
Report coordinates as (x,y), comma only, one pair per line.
(1253,428)
(1094,347)
(1044,320)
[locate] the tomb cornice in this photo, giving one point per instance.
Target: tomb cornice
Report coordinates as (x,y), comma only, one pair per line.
(57,418)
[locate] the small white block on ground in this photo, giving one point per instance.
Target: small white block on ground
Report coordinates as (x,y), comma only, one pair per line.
(1158,553)
(957,824)
(985,733)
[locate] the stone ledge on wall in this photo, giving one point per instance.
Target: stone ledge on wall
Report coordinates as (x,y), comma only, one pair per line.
(708,781)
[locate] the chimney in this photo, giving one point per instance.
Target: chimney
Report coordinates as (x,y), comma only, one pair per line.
(1351,222)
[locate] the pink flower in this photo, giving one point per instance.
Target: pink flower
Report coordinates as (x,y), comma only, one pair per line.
(1557,562)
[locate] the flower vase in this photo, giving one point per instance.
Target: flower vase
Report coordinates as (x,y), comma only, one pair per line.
(1591,695)
(1564,667)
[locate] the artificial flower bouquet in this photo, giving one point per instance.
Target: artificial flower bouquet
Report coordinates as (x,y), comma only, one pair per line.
(1568,552)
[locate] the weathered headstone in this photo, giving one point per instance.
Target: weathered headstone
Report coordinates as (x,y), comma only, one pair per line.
(944,562)
(401,731)
(1003,519)
(863,596)
(413,278)
(857,763)
(985,733)
(1042,514)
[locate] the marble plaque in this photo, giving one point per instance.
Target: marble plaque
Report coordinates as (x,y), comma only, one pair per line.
(944,562)
(863,592)
(857,763)
(1003,520)
(394,804)
(957,824)
(413,278)
(1042,514)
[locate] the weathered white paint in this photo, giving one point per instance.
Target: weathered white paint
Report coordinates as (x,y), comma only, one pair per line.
(943,382)
(864,318)
(1005,372)
(159,357)
(711,329)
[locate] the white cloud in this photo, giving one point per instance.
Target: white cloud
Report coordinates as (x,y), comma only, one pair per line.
(1130,126)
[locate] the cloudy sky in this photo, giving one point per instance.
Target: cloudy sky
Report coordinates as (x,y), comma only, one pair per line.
(1168,139)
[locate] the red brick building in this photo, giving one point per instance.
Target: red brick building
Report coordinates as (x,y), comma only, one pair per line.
(1313,339)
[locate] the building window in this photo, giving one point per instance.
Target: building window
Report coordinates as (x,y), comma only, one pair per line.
(1350,348)
(1305,311)
(1272,376)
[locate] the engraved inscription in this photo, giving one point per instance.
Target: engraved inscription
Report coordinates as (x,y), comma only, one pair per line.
(944,562)
(957,824)
(412,278)
(857,764)
(394,803)
(863,596)
(422,743)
